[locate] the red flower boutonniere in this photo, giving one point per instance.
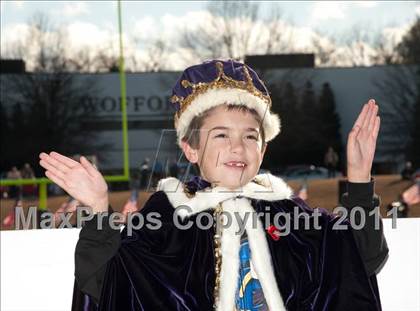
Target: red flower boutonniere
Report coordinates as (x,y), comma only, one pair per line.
(274,233)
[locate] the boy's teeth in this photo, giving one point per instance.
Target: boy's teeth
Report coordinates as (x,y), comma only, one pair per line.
(238,164)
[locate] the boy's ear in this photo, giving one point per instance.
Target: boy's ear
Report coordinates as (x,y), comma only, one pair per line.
(190,153)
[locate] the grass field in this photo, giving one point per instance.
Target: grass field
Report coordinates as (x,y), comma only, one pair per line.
(321,193)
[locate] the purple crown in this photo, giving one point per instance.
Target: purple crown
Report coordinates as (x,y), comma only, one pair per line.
(198,79)
(207,85)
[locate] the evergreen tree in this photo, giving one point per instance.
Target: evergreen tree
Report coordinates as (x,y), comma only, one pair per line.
(409,47)
(312,148)
(17,119)
(273,158)
(308,103)
(293,129)
(414,149)
(4,136)
(286,148)
(307,127)
(409,50)
(329,119)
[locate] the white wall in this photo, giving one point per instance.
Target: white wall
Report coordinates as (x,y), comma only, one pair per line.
(37,268)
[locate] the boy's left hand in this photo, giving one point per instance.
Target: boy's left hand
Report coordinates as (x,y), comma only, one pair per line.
(361,144)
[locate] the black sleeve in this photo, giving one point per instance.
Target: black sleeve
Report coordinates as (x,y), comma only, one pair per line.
(93,250)
(370,240)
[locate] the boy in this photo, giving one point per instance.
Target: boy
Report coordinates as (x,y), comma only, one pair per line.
(240,262)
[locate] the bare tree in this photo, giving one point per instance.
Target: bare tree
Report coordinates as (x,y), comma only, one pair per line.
(357,50)
(213,37)
(156,54)
(107,61)
(103,59)
(385,50)
(234,29)
(83,61)
(324,49)
(235,21)
(49,99)
(278,40)
(43,47)
(154,58)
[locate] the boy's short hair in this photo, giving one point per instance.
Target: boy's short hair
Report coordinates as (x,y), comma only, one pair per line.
(192,135)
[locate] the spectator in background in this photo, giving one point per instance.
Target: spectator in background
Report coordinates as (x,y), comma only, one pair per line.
(9,220)
(331,161)
(144,173)
(411,196)
(173,168)
(131,205)
(27,171)
(157,172)
(303,191)
(408,171)
(14,191)
(69,206)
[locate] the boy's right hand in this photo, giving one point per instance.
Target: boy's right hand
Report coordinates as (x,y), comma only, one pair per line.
(80,180)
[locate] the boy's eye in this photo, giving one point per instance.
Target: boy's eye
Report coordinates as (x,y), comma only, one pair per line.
(252,137)
(221,135)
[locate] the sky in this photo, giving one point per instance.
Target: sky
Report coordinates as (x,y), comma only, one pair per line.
(92,22)
(325,15)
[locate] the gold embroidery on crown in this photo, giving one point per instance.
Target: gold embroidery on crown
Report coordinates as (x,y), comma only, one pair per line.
(221,81)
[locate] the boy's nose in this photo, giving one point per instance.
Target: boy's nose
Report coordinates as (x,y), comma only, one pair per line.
(236,145)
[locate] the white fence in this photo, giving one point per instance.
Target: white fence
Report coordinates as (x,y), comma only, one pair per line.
(37,268)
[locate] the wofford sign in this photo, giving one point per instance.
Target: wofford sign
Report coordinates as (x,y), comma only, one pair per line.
(135,104)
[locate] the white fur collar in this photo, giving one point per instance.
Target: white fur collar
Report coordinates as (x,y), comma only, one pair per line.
(266,187)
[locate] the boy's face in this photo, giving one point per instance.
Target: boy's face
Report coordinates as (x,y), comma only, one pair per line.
(230,150)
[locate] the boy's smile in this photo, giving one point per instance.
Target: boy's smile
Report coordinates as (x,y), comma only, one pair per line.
(235,164)
(231,148)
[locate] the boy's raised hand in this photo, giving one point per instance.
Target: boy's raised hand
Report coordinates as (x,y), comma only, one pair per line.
(361,143)
(80,180)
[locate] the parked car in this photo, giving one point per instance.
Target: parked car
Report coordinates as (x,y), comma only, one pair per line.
(306,172)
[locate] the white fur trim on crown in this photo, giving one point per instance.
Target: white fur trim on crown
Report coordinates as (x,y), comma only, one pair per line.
(216,97)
